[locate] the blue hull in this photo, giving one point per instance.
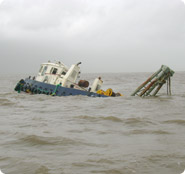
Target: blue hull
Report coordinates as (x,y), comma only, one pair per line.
(35,87)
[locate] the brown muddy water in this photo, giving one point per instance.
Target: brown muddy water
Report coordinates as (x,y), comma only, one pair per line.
(42,134)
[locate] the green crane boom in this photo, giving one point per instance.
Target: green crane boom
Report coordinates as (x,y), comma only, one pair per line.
(155,82)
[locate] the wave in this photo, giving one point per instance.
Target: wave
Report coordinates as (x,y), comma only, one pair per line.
(160,157)
(6,94)
(138,121)
(179,122)
(128,121)
(145,131)
(43,170)
(40,140)
(111,118)
(6,102)
(34,140)
(115,171)
(99,118)
(101,161)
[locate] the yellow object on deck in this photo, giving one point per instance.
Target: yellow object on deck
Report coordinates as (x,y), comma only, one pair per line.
(100,92)
(108,92)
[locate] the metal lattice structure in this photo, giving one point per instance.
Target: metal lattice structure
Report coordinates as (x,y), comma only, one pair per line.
(152,85)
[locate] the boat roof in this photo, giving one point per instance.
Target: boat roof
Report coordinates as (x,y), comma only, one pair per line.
(57,64)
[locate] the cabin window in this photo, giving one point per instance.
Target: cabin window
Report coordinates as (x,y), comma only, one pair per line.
(40,69)
(63,73)
(45,79)
(51,70)
(44,70)
(71,86)
(54,71)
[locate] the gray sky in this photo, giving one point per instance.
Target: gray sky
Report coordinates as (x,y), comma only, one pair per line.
(106,35)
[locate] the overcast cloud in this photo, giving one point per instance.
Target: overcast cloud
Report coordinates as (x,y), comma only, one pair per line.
(106,35)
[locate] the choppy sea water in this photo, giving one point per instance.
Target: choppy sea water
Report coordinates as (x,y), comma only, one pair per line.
(42,134)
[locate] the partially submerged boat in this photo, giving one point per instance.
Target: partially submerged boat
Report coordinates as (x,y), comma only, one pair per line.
(57,79)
